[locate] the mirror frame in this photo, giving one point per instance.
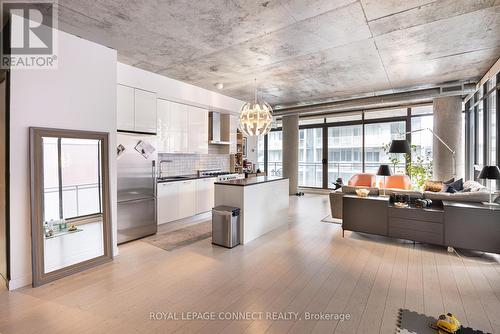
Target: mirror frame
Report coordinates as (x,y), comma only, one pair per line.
(36,174)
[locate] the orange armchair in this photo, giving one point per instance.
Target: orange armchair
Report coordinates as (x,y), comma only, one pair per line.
(362,180)
(398,182)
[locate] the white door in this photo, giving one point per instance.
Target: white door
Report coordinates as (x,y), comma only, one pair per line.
(125,108)
(168,202)
(198,130)
(187,198)
(205,190)
(164,125)
(145,111)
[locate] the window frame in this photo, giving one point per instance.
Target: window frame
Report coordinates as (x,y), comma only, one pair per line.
(325,125)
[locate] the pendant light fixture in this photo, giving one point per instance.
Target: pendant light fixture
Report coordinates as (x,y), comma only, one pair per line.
(256,117)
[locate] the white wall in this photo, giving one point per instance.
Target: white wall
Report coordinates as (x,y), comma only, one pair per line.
(80,94)
(175,90)
(3,231)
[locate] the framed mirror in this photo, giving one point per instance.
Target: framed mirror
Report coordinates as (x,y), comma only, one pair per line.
(70,207)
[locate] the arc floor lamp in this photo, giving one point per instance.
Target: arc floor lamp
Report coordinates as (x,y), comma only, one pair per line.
(402,146)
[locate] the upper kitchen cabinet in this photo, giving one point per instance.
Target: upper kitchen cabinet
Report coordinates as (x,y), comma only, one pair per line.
(197,130)
(145,111)
(136,110)
(125,108)
(182,128)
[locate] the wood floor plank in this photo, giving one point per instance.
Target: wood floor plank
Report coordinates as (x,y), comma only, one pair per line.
(452,299)
(476,314)
(342,295)
(414,297)
(396,294)
(325,294)
(489,300)
(374,308)
(357,303)
(433,299)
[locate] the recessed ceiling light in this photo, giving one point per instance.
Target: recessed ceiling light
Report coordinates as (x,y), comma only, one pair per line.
(219,85)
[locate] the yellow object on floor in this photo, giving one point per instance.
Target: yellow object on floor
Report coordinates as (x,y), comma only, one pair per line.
(447,324)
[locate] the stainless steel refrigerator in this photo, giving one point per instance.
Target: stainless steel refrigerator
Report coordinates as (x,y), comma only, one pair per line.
(136,168)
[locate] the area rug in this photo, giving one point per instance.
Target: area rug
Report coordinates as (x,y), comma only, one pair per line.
(410,322)
(171,240)
(329,219)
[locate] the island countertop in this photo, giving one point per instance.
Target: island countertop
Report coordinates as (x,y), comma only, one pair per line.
(251,181)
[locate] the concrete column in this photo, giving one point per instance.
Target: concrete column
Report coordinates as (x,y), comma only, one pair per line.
(291,151)
(448,126)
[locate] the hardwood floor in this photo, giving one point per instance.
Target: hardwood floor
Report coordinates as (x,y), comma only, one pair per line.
(305,266)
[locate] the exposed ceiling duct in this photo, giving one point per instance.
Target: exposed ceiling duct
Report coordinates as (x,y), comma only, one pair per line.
(399,99)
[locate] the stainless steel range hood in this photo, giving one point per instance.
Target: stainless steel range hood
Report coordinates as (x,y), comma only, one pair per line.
(216,127)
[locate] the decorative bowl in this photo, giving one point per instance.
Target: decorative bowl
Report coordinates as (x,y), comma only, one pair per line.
(362,192)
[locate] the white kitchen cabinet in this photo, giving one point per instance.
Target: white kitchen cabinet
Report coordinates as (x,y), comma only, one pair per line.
(163,125)
(144,111)
(197,130)
(181,128)
(205,189)
(125,108)
(178,129)
(168,202)
(187,198)
(135,110)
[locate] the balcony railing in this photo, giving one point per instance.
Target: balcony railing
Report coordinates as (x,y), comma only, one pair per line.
(73,204)
(311,173)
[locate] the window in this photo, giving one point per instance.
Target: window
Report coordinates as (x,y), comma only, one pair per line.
(480,134)
(275,153)
(307,121)
(260,152)
(71,177)
(344,152)
(347,132)
(344,117)
(378,137)
(310,157)
(421,141)
(492,116)
(401,112)
(422,110)
(481,128)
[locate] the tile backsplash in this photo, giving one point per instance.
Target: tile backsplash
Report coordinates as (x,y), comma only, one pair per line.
(186,164)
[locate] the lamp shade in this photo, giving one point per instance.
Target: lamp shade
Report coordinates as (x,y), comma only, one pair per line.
(384,170)
(256,118)
(399,146)
(490,172)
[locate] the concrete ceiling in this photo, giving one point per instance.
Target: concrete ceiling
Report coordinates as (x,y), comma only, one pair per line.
(300,51)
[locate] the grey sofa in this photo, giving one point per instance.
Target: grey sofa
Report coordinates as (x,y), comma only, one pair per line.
(476,197)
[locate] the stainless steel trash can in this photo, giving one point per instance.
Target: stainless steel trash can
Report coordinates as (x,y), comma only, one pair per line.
(226,226)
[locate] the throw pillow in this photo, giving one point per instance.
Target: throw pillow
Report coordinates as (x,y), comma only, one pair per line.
(446,183)
(449,181)
(458,185)
(470,186)
(450,190)
(434,186)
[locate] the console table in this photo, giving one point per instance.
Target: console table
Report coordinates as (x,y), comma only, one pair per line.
(454,224)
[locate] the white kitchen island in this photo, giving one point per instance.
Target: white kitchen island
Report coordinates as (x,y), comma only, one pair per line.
(263,201)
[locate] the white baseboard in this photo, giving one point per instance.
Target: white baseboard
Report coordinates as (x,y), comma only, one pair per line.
(19,282)
(315,190)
